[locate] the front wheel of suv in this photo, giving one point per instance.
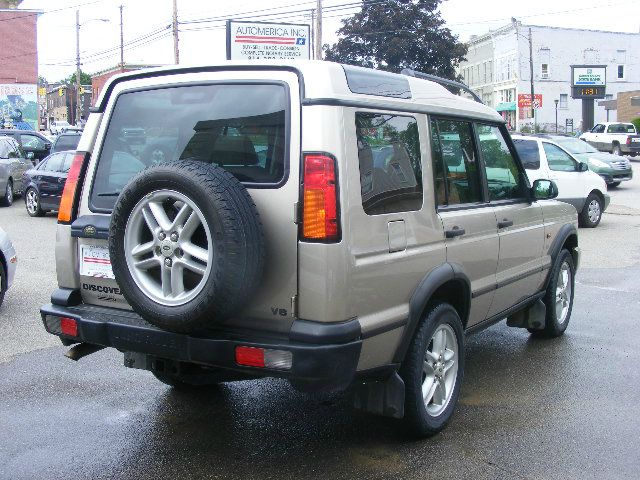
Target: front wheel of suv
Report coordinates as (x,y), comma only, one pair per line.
(432,371)
(591,213)
(559,297)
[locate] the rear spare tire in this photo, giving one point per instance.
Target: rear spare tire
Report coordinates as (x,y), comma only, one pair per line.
(186,245)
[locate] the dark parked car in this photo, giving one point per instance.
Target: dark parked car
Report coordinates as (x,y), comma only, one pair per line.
(66,141)
(31,142)
(44,184)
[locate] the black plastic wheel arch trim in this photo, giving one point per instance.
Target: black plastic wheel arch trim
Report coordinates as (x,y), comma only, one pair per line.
(422,296)
(319,332)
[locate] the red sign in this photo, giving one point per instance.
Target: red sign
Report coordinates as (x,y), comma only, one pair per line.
(524,100)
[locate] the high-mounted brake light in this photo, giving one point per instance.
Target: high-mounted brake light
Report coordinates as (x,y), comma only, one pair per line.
(71,190)
(320,199)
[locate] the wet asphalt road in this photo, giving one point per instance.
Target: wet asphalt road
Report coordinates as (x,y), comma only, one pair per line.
(565,408)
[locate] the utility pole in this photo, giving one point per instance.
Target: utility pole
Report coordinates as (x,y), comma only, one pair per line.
(176,50)
(533,110)
(77,114)
(312,39)
(318,33)
(121,41)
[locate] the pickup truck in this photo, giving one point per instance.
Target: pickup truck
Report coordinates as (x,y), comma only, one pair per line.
(615,137)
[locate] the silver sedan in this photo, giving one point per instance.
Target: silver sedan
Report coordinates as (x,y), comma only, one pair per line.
(8,262)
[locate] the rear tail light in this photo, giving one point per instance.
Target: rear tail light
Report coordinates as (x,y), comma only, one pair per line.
(264,358)
(61,325)
(320,199)
(69,200)
(628,140)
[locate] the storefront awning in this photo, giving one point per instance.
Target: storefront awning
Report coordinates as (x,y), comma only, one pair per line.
(506,106)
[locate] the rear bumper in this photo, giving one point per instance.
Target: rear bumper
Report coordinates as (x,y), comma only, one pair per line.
(633,148)
(315,366)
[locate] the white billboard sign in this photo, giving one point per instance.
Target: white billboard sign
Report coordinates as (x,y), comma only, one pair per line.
(267,41)
(595,76)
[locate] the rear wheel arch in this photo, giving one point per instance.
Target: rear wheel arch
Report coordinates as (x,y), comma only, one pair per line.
(446,283)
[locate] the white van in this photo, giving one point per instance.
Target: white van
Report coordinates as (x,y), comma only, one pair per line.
(577,185)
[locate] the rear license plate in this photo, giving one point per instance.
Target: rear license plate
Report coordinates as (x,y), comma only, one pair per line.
(635,140)
(95,262)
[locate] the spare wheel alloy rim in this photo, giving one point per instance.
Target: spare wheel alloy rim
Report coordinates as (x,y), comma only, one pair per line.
(168,247)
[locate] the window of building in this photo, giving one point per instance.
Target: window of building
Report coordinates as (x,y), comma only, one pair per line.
(564,98)
(620,72)
(390,163)
(545,70)
(455,164)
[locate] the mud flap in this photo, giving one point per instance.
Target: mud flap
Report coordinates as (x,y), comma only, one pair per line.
(533,317)
(385,397)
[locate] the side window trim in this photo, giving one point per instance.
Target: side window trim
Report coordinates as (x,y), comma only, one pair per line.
(514,154)
(458,206)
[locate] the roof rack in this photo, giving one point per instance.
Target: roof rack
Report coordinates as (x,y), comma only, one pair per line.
(442,81)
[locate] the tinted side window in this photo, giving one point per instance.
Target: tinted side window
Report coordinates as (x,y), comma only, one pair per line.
(32,142)
(455,156)
(528,152)
(558,159)
(598,129)
(503,175)
(389,158)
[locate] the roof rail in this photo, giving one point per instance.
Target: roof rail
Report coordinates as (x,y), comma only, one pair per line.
(442,81)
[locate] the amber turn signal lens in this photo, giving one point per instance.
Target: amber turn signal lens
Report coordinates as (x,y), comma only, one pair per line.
(65,212)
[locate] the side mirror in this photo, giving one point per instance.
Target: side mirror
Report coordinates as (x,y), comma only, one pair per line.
(543,189)
(583,167)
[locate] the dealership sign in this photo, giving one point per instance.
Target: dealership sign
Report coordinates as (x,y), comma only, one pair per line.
(524,100)
(267,41)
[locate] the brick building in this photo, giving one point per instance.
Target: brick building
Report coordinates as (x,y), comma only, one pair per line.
(628,106)
(100,78)
(18,65)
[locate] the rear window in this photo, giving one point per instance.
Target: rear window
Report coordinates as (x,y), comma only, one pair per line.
(66,142)
(239,127)
(621,128)
(528,152)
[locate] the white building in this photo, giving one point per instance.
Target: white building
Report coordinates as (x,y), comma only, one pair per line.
(498,70)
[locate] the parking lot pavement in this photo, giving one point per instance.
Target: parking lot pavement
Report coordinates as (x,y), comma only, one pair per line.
(559,409)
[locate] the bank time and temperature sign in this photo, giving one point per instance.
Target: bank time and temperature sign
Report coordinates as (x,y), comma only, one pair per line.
(267,41)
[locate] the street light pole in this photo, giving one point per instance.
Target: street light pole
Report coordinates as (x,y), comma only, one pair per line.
(77,114)
(556,102)
(121,41)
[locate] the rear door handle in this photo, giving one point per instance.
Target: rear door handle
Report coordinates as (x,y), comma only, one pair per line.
(505,223)
(454,232)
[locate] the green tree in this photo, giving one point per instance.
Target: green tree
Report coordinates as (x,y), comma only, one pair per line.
(85,79)
(395,34)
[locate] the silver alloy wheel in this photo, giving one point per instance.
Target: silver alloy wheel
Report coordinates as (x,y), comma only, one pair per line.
(160,252)
(440,369)
(594,210)
(32,201)
(563,293)
(9,193)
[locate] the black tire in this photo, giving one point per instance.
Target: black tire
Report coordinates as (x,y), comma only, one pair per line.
(554,326)
(583,218)
(236,239)
(38,212)
(7,199)
(614,184)
(3,281)
(416,417)
(617,150)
